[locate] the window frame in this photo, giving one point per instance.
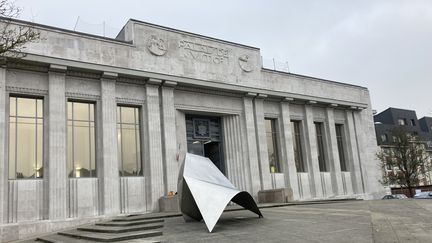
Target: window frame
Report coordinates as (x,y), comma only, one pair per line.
(8,133)
(275,139)
(140,140)
(321,147)
(95,145)
(341,140)
(300,144)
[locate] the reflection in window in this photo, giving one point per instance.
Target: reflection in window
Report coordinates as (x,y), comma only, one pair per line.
(320,146)
(25,138)
(128,135)
(271,134)
(341,148)
(81,140)
(298,147)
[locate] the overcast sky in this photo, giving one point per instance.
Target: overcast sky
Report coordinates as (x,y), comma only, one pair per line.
(385,45)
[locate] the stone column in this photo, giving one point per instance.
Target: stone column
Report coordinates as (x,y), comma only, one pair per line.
(110,173)
(169,146)
(154,171)
(312,153)
(289,167)
(251,145)
(353,153)
(57,150)
(333,152)
(3,160)
(261,142)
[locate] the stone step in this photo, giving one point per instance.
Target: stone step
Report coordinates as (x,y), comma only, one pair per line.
(110,237)
(60,239)
(130,223)
(120,229)
(144,217)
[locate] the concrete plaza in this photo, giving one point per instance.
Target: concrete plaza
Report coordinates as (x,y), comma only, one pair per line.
(359,221)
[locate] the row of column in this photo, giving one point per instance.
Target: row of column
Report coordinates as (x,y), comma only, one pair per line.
(256,147)
(160,156)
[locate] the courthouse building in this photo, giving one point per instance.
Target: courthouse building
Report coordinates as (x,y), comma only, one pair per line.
(93,127)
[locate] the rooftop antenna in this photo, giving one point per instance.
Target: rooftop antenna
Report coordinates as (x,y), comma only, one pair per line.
(76,23)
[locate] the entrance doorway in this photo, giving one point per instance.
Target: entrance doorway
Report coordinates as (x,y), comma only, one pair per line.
(204,138)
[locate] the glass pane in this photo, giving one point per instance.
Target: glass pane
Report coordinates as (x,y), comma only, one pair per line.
(92,112)
(26,149)
(136,115)
(81,111)
(127,115)
(81,150)
(39,108)
(129,150)
(12,106)
(12,146)
(70,151)
(268,125)
(92,151)
(138,144)
(118,114)
(39,152)
(119,149)
(69,110)
(26,107)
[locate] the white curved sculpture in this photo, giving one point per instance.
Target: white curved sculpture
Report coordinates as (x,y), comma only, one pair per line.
(204,191)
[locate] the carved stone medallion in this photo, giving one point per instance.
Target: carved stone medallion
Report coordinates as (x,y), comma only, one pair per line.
(156,46)
(245,63)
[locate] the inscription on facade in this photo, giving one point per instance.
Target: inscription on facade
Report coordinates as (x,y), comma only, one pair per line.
(203,53)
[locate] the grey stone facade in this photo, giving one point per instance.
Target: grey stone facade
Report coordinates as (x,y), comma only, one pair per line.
(168,74)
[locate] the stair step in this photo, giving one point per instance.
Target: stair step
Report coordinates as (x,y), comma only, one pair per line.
(144,217)
(130,223)
(59,239)
(110,237)
(119,229)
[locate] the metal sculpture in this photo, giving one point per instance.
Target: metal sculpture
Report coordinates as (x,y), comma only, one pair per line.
(204,191)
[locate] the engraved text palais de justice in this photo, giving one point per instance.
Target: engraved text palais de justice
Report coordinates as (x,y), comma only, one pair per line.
(204,53)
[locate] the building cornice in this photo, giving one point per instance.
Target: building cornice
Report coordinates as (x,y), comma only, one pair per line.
(139,74)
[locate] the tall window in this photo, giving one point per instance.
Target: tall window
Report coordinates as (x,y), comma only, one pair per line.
(320,146)
(272,148)
(341,148)
(81,140)
(25,138)
(129,144)
(297,144)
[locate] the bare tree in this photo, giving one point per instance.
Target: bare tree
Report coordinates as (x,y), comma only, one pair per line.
(13,37)
(408,155)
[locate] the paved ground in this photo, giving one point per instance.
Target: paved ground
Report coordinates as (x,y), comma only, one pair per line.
(361,221)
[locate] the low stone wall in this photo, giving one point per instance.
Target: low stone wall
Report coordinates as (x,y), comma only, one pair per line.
(281,195)
(169,204)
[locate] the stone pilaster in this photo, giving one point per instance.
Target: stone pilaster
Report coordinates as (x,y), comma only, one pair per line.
(168,122)
(312,153)
(234,154)
(57,150)
(289,167)
(3,160)
(353,153)
(261,142)
(251,145)
(154,172)
(110,173)
(333,152)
